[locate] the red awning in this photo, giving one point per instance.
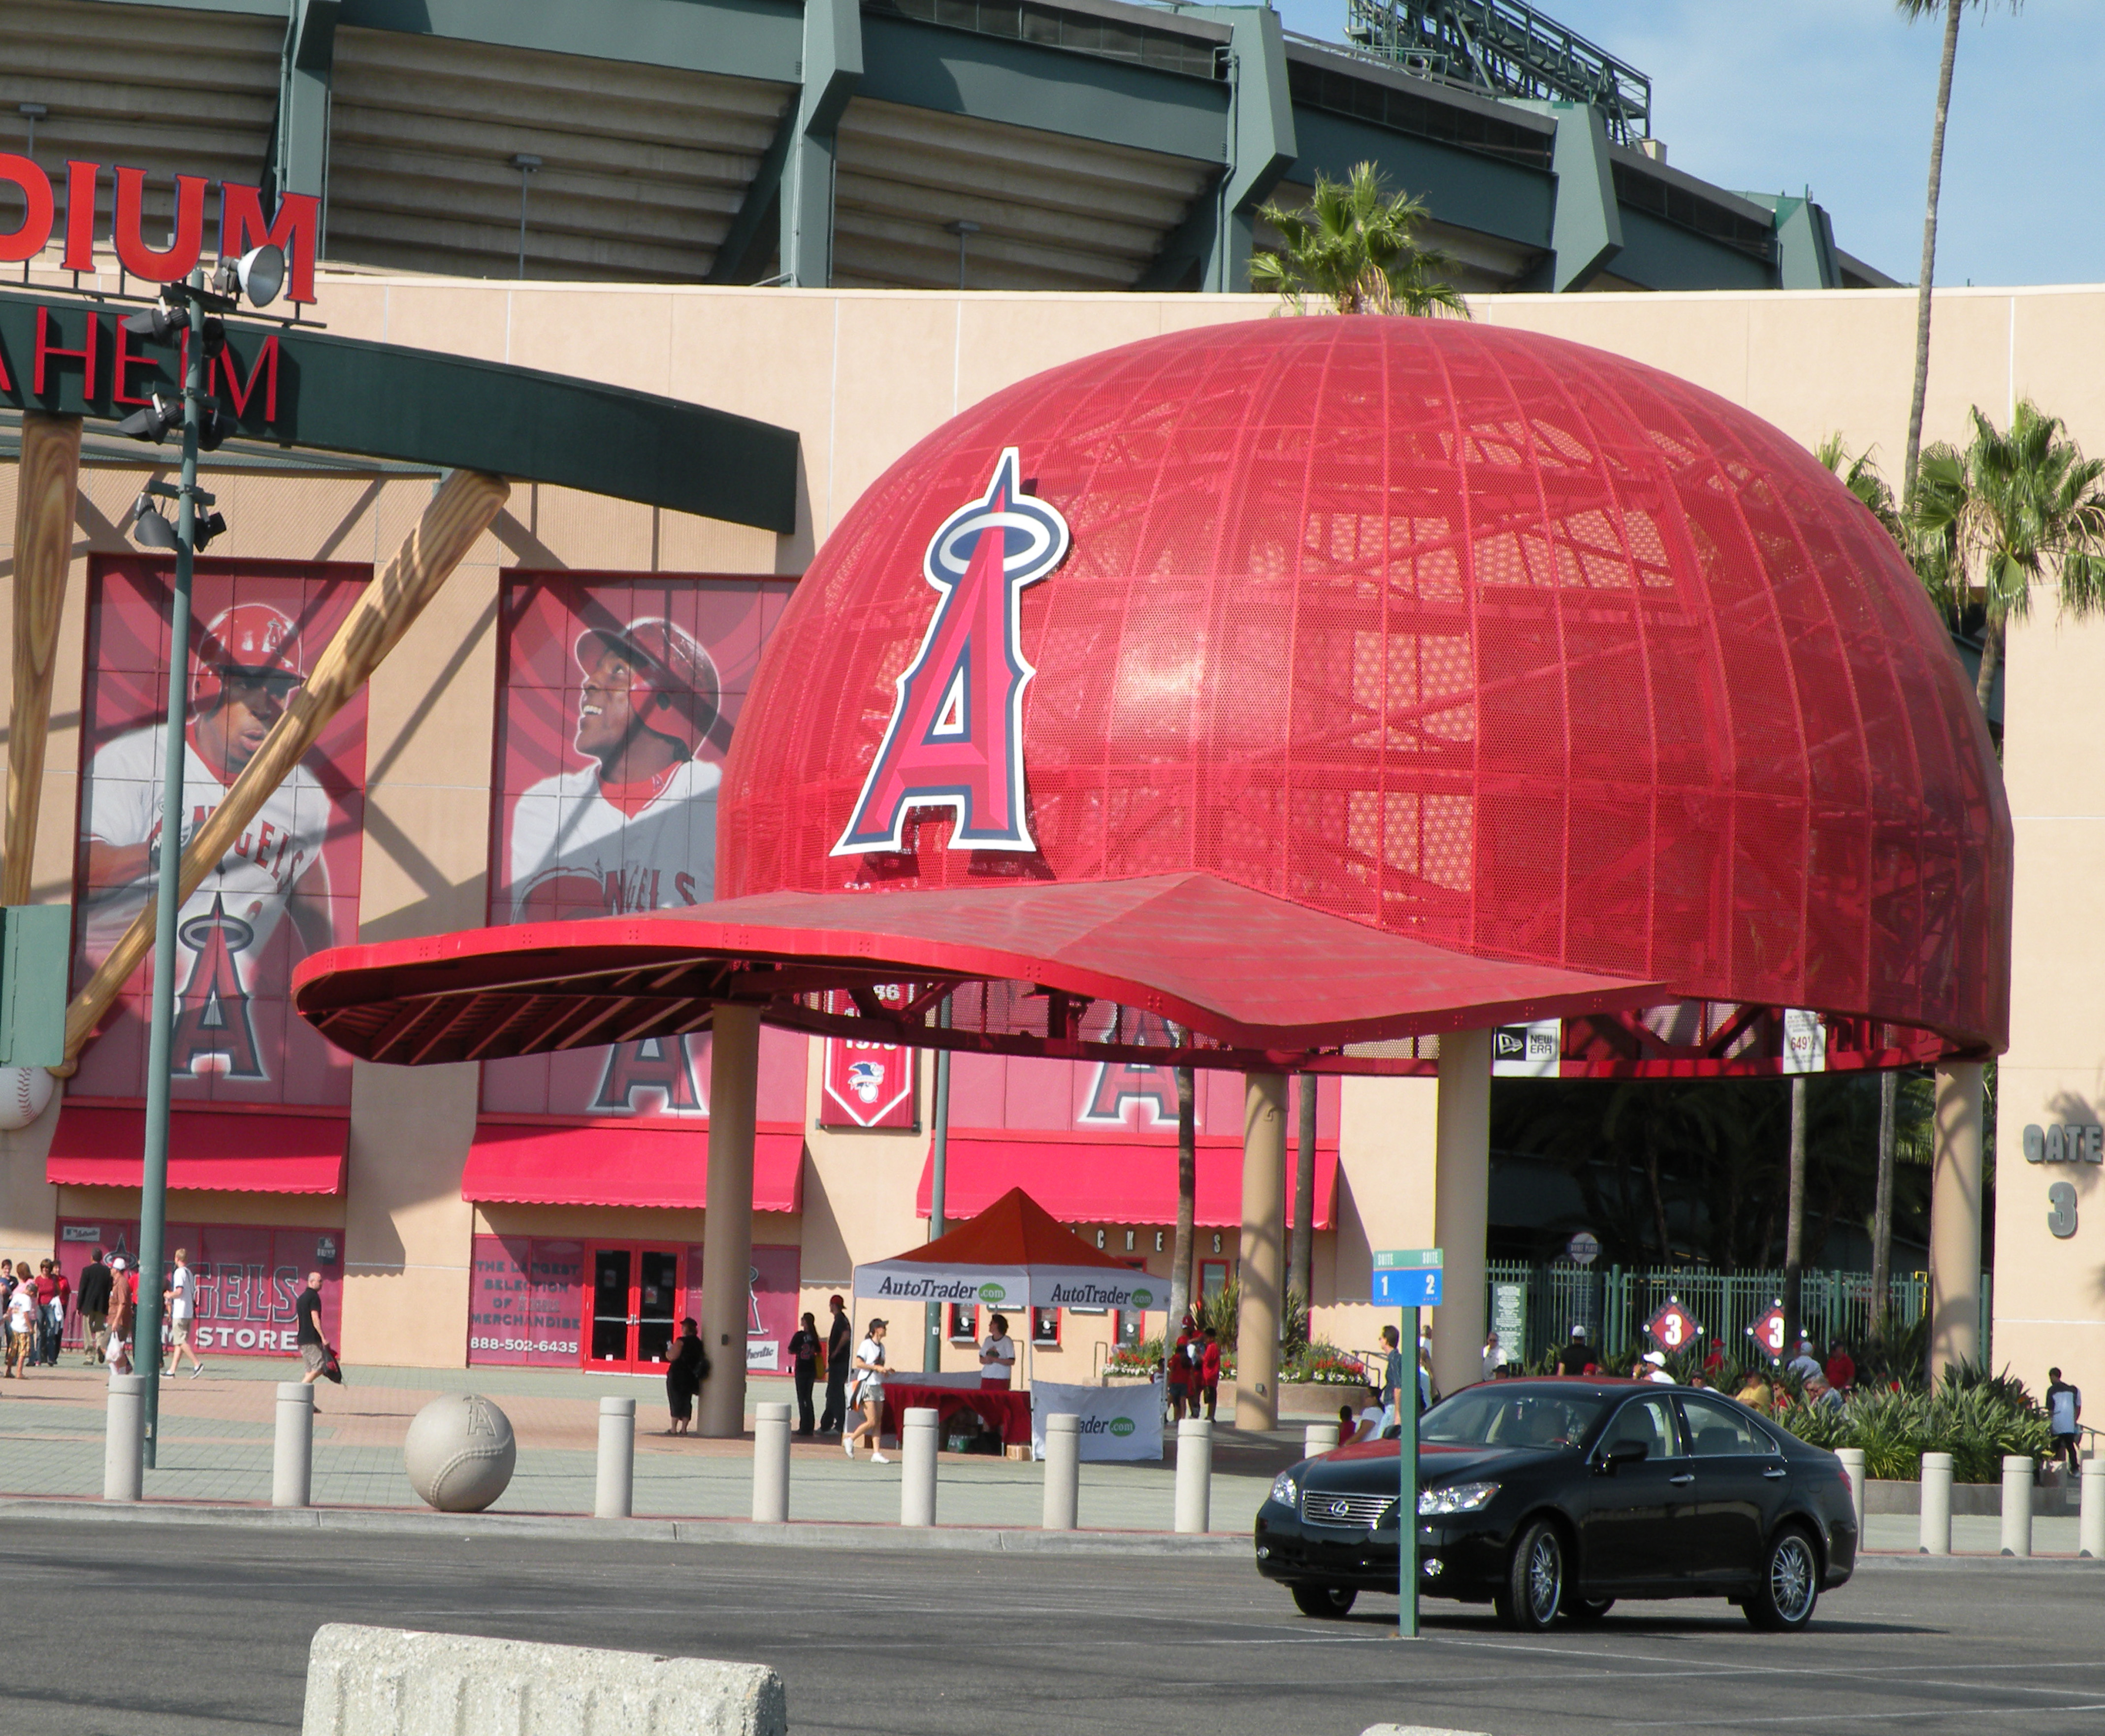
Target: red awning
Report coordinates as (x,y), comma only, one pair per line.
(622,1163)
(219,1150)
(1081,1178)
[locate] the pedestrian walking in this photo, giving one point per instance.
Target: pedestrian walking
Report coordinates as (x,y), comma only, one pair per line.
(2064,1417)
(806,1348)
(93,1298)
(180,1298)
(1392,1385)
(840,1340)
(1183,1365)
(1493,1356)
(1841,1369)
(53,1293)
(22,1322)
(1209,1373)
(1578,1357)
(685,1373)
(314,1347)
(997,1354)
(124,1305)
(868,1394)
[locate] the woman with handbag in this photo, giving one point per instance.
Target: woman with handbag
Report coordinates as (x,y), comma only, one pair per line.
(868,1393)
(684,1374)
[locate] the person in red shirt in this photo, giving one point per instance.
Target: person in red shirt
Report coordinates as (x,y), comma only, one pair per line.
(53,1293)
(1209,1374)
(1841,1369)
(1178,1377)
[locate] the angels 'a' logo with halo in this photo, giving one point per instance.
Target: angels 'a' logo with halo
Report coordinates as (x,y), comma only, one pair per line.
(955,740)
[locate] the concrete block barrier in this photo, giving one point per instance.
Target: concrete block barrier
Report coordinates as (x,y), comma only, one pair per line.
(770,1464)
(917,1463)
(1063,1472)
(386,1681)
(1852,1462)
(2090,1523)
(1936,1532)
(1319,1438)
(1195,1475)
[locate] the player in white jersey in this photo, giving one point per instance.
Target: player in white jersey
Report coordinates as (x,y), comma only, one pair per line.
(634,830)
(247,667)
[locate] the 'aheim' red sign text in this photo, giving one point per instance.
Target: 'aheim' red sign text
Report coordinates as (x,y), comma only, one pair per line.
(241,223)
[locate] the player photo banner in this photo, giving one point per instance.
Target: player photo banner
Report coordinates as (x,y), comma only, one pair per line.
(619,693)
(289,884)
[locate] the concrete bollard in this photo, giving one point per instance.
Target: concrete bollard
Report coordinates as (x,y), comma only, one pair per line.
(293,1452)
(123,1440)
(1936,1504)
(1195,1475)
(770,1464)
(917,1460)
(1063,1472)
(1852,1462)
(2017,1504)
(2090,1527)
(614,1495)
(1319,1438)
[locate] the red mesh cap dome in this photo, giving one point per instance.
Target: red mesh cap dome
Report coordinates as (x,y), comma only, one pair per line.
(1481,637)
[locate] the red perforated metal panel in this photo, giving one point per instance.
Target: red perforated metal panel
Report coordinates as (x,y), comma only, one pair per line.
(1472,635)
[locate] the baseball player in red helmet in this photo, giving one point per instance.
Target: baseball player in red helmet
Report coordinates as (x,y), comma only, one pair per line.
(246,666)
(635,830)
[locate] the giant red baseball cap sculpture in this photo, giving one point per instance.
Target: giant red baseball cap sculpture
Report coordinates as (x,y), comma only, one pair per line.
(1318,683)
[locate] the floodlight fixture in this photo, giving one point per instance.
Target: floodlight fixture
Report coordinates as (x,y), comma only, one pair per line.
(161,414)
(258,274)
(149,530)
(162,322)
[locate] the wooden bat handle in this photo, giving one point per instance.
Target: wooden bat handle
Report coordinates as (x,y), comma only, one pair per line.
(47,489)
(463,509)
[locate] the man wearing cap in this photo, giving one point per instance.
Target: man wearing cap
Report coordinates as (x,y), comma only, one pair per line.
(840,1340)
(1651,1367)
(1578,1356)
(635,829)
(246,667)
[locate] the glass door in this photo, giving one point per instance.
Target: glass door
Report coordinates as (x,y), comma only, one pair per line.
(634,1309)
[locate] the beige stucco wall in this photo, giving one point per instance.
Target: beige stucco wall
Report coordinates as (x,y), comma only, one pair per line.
(861,375)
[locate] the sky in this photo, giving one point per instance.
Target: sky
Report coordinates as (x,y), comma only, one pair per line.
(1774,96)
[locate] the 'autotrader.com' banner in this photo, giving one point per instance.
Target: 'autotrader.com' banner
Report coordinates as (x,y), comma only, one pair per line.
(1008,1287)
(1116,1422)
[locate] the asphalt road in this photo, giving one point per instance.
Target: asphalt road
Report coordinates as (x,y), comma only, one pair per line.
(123,1628)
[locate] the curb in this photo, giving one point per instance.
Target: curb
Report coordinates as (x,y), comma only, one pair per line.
(1907,1561)
(795,1534)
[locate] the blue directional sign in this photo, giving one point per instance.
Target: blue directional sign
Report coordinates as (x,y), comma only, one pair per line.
(1407,1278)
(1411,1287)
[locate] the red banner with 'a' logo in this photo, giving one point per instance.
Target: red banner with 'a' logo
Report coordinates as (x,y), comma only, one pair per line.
(867,1085)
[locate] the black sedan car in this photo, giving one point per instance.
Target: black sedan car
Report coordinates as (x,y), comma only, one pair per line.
(1558,1496)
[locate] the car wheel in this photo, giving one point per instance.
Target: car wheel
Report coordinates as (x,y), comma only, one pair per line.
(1783,1601)
(1587,1608)
(1330,1602)
(1534,1586)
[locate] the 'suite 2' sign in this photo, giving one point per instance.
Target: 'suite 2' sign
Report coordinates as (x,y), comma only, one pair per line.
(242,225)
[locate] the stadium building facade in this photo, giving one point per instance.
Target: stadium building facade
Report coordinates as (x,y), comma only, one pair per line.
(758,209)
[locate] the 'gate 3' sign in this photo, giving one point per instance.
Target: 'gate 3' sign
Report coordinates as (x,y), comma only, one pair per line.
(292,226)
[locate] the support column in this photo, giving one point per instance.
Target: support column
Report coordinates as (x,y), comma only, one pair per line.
(1264,1250)
(727,1223)
(1586,225)
(1954,1219)
(47,487)
(832,68)
(305,72)
(1461,1205)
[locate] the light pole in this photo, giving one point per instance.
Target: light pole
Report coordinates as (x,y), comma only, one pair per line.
(258,275)
(939,1154)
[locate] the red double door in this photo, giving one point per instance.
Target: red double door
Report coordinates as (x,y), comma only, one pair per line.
(633,1308)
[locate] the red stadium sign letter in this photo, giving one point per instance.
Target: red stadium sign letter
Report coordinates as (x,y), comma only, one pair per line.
(955,740)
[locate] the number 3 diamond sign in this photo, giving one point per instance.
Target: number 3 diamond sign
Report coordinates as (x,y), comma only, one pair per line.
(1672,1328)
(1769,1331)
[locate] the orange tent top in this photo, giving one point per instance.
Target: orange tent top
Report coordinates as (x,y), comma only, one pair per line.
(1014,1231)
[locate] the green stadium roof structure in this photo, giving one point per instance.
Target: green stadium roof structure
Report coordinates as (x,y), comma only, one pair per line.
(1077,143)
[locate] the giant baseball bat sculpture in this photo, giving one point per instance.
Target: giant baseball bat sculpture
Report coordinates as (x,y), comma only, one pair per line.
(47,487)
(463,508)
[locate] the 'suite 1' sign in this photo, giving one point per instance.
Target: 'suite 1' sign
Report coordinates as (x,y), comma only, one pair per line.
(292,226)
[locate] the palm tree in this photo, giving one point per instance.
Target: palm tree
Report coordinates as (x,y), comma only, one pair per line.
(1357,246)
(1912,10)
(1860,475)
(1187,1194)
(2011,511)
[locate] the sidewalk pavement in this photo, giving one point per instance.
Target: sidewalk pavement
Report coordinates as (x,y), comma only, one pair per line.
(216,1446)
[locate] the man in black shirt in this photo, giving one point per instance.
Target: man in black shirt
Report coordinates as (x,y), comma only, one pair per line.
(1579,1356)
(314,1347)
(840,1341)
(92,1299)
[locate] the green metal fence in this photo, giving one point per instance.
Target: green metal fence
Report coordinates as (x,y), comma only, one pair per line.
(1613,1303)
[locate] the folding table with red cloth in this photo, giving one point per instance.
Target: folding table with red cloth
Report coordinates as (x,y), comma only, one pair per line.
(1003,1409)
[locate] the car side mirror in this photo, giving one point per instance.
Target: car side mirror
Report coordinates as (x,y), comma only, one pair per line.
(1624,1452)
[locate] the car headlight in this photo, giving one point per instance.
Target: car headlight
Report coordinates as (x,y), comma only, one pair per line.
(1286,1490)
(1456,1497)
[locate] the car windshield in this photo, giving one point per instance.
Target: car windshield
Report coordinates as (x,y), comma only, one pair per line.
(1491,1417)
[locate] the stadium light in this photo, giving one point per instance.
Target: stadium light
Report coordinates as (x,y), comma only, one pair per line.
(258,274)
